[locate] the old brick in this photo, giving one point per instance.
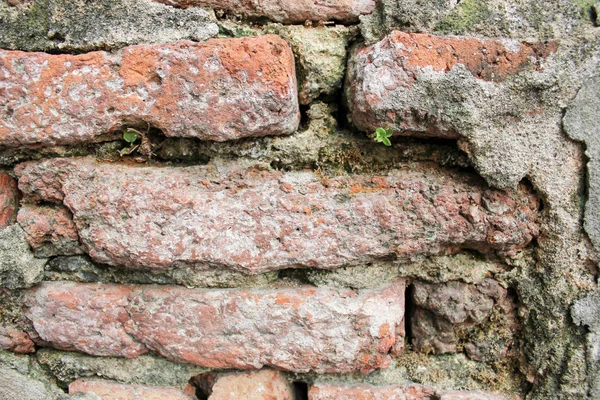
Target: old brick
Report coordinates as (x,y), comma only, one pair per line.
(9,200)
(299,329)
(15,340)
(178,87)
(396,81)
(328,391)
(49,230)
(446,314)
(265,384)
(346,11)
(256,221)
(108,390)
(332,391)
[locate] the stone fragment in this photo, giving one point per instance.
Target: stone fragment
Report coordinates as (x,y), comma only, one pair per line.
(108,390)
(582,122)
(321,55)
(18,267)
(296,329)
(9,200)
(395,81)
(18,386)
(445,313)
(288,11)
(78,26)
(265,384)
(256,221)
(178,87)
(332,391)
(15,340)
(586,311)
(50,231)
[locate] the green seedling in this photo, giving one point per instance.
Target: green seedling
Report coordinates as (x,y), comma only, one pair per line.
(130,135)
(382,135)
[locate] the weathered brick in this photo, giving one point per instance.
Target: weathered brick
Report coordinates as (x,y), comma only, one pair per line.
(445,314)
(331,391)
(395,81)
(49,230)
(69,99)
(290,11)
(256,221)
(108,390)
(9,200)
(265,384)
(296,329)
(15,340)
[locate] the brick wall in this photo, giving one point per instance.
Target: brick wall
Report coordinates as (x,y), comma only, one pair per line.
(193,205)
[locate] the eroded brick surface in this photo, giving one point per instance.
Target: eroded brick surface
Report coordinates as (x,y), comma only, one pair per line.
(448,314)
(290,11)
(179,87)
(49,230)
(15,340)
(9,200)
(256,221)
(365,392)
(395,81)
(265,384)
(299,329)
(108,390)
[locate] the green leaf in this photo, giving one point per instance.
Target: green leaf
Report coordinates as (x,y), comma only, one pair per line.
(388,131)
(131,135)
(386,141)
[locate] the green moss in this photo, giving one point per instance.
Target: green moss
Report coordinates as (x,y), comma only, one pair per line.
(465,16)
(25,27)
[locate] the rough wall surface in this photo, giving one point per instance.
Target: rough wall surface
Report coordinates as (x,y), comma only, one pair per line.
(193,205)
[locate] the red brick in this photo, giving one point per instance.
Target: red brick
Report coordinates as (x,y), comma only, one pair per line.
(15,340)
(297,329)
(265,384)
(9,200)
(49,230)
(441,310)
(365,392)
(177,87)
(332,391)
(108,390)
(289,11)
(390,84)
(256,221)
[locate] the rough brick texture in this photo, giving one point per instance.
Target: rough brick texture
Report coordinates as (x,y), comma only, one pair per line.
(179,87)
(299,329)
(49,230)
(290,11)
(108,390)
(444,312)
(265,384)
(257,221)
(332,391)
(393,82)
(9,200)
(15,340)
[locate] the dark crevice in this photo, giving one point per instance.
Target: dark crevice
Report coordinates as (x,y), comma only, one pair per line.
(300,390)
(408,313)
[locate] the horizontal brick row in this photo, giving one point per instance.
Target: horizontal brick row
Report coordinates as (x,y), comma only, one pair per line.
(418,84)
(290,11)
(217,90)
(107,390)
(295,329)
(257,221)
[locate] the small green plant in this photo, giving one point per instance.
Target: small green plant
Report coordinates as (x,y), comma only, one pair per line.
(130,135)
(382,135)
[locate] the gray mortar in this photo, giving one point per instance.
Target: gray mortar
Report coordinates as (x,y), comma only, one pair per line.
(582,122)
(18,267)
(79,25)
(586,311)
(143,370)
